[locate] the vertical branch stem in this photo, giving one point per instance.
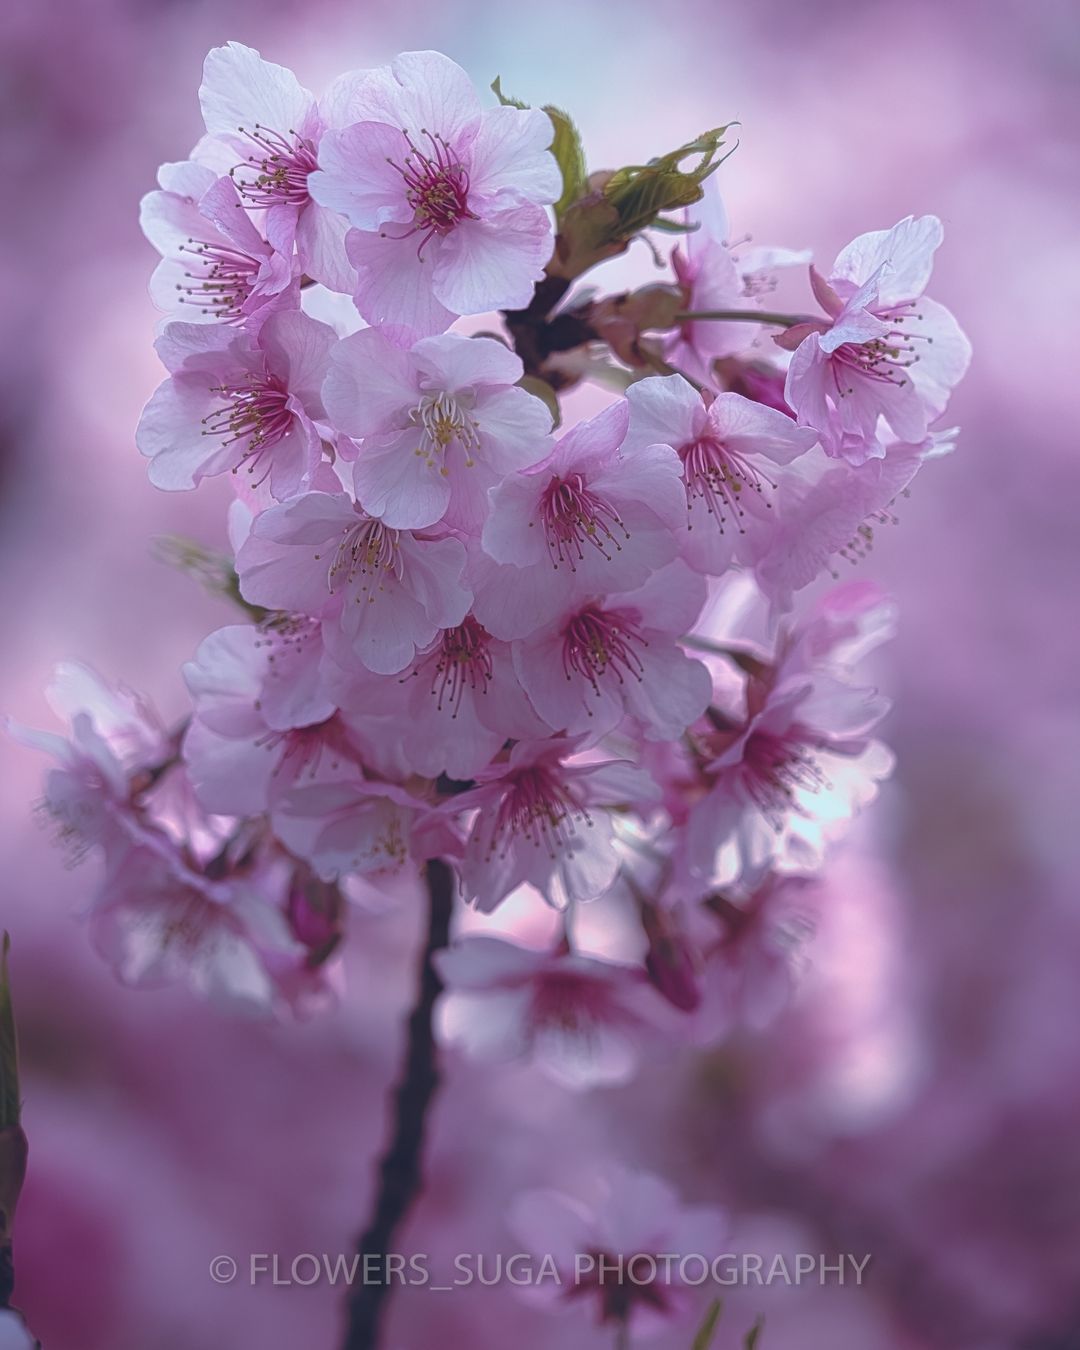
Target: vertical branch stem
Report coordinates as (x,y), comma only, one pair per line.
(400,1171)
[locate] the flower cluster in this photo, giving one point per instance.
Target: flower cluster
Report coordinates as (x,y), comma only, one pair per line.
(560,657)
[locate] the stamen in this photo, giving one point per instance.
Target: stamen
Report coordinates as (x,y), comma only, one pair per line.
(540,807)
(572,516)
(774,768)
(596,641)
(255,410)
(226,282)
(717,475)
(368,551)
(442,419)
(436,188)
(462,661)
(281,166)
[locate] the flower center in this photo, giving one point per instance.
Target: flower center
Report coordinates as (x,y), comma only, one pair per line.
(442,419)
(436,188)
(539,807)
(367,552)
(886,358)
(775,768)
(255,411)
(301,749)
(276,173)
(573,517)
(462,662)
(596,641)
(716,476)
(224,282)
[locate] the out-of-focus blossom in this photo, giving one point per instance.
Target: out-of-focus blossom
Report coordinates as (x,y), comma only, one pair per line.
(578,1019)
(623,1222)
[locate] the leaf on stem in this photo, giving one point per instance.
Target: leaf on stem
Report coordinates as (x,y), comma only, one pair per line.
(705,1333)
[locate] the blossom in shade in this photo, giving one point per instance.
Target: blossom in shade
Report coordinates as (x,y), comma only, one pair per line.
(13,1333)
(623,1220)
(114,745)
(591,518)
(440,424)
(607,657)
(271,126)
(344,824)
(577,1018)
(447,198)
(381,593)
(731,450)
(543,818)
(215,266)
(159,921)
(239,402)
(884,351)
(785,780)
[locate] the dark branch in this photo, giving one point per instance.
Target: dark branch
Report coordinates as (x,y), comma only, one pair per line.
(400,1172)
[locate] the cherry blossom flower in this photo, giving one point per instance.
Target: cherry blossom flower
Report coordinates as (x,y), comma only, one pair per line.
(238,402)
(589,519)
(345,825)
(623,1220)
(542,819)
(730,449)
(787,780)
(261,116)
(828,512)
(215,267)
(884,351)
(447,198)
(616,655)
(440,424)
(159,921)
(13,1333)
(577,1018)
(381,593)
(115,745)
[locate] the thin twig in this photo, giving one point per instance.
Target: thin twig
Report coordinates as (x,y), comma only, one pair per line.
(400,1171)
(744,316)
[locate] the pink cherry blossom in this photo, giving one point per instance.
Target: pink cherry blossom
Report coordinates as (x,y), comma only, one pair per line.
(159,922)
(381,593)
(786,781)
(624,1219)
(593,517)
(617,655)
(440,425)
(578,1019)
(237,402)
(884,351)
(345,825)
(447,198)
(272,127)
(116,742)
(215,267)
(730,449)
(13,1333)
(542,819)
(827,514)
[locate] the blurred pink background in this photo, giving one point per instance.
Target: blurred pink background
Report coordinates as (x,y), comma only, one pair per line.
(922,1101)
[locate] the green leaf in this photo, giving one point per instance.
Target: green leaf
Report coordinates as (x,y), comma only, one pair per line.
(641,192)
(540,389)
(570,156)
(754,1334)
(675,226)
(707,1330)
(505,99)
(10,1101)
